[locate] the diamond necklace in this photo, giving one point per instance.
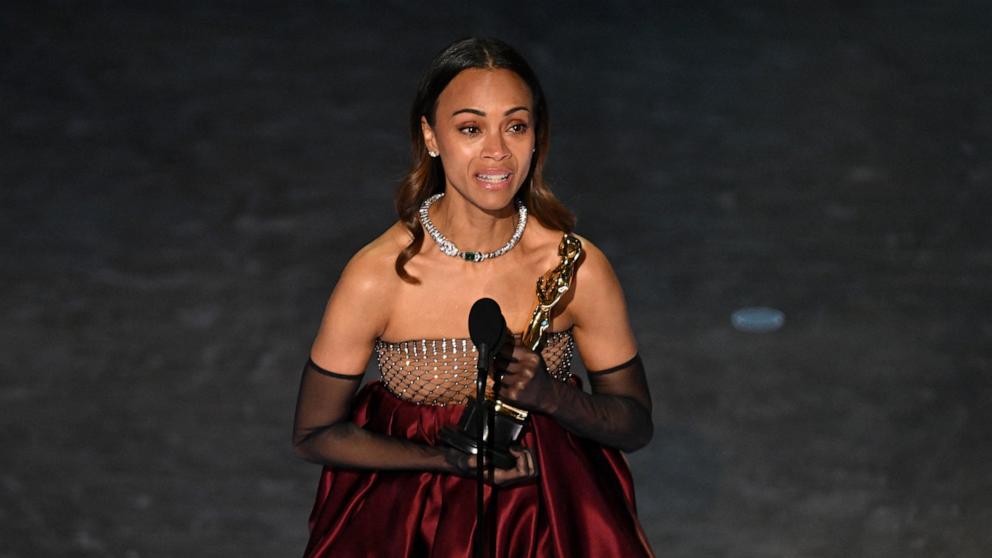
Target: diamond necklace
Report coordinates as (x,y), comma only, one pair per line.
(447,247)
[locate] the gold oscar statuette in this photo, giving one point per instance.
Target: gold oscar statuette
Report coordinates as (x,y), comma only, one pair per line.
(551,287)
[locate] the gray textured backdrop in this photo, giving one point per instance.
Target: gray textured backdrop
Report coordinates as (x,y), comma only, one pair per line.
(180,187)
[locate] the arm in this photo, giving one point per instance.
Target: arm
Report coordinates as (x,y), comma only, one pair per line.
(322,431)
(323,434)
(618,411)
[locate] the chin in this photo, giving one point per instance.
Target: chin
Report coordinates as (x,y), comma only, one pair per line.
(490,196)
(495,199)
(495,186)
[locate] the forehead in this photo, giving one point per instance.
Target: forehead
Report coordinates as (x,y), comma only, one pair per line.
(484,89)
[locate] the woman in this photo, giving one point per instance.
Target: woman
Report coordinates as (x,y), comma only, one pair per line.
(389,488)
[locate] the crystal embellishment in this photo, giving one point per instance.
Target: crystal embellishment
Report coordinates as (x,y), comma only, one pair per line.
(439,372)
(448,248)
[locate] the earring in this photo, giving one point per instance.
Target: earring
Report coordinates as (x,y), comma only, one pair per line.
(432,153)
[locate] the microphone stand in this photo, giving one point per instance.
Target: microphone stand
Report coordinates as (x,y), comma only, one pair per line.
(480,438)
(490,462)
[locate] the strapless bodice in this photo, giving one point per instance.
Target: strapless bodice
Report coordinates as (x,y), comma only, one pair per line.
(442,371)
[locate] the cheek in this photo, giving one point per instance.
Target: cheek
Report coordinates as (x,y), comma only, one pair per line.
(527,146)
(454,146)
(526,156)
(457,158)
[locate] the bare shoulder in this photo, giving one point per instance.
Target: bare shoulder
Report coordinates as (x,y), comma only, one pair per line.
(599,312)
(595,270)
(359,306)
(370,271)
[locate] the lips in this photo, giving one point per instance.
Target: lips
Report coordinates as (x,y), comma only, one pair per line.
(494,178)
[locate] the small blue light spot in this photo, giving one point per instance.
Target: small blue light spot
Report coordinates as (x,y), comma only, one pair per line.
(759,319)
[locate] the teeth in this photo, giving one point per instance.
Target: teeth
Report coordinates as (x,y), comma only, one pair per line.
(493,177)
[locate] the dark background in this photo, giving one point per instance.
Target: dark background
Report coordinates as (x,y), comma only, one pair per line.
(181,185)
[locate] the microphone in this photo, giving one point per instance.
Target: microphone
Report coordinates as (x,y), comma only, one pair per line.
(487,328)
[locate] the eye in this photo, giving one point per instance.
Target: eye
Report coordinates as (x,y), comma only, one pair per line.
(469,130)
(517,128)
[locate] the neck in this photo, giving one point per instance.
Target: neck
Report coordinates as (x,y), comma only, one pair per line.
(470,227)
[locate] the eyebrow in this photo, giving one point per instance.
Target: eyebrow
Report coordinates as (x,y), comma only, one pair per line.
(480,113)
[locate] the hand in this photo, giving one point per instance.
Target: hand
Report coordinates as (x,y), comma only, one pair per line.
(524,470)
(524,380)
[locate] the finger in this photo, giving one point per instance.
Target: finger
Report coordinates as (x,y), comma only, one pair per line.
(526,362)
(506,477)
(512,379)
(520,352)
(523,464)
(510,393)
(472,461)
(501,363)
(508,379)
(512,364)
(506,351)
(518,372)
(521,472)
(530,460)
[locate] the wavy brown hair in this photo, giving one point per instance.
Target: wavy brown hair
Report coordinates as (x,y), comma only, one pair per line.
(426,176)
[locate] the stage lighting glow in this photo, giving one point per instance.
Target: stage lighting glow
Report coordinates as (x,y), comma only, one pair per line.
(757,319)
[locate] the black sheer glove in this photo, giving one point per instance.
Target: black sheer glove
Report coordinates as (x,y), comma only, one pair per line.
(323,432)
(523,378)
(618,411)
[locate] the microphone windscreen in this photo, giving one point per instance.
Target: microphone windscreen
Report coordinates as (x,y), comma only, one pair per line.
(486,323)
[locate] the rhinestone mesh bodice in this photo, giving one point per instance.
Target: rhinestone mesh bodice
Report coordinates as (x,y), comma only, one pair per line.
(442,371)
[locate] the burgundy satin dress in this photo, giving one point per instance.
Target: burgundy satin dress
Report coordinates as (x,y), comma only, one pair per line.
(580,505)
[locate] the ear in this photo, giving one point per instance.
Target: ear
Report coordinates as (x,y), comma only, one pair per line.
(429,140)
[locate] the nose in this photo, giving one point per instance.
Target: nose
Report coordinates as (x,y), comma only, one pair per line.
(495,148)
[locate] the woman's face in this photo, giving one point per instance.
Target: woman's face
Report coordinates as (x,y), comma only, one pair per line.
(484,132)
